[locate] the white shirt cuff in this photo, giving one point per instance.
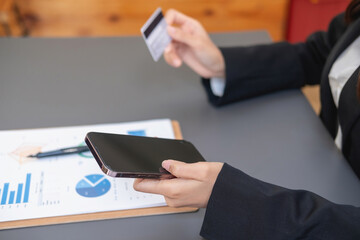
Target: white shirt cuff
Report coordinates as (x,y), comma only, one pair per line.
(217,86)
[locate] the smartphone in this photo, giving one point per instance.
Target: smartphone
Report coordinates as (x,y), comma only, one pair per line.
(138,157)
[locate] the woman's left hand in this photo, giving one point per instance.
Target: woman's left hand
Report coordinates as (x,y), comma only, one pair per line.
(192,186)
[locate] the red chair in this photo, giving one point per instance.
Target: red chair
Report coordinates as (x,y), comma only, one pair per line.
(307,16)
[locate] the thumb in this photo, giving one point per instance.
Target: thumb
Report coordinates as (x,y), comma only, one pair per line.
(183,170)
(181,36)
(171,57)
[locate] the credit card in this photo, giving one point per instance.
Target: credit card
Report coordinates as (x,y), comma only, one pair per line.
(155,34)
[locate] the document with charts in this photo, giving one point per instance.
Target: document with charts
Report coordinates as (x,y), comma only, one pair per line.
(67,185)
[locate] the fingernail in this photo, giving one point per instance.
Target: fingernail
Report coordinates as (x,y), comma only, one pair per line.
(166,164)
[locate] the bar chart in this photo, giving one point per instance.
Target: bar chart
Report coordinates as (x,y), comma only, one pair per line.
(141,132)
(20,195)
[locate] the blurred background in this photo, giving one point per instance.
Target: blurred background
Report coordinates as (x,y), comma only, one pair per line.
(290,20)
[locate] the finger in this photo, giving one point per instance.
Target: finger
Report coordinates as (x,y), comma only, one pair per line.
(174,202)
(171,56)
(147,185)
(195,171)
(174,17)
(138,180)
(167,187)
(195,64)
(182,36)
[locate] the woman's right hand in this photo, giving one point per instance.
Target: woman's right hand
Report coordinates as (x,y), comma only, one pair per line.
(192,186)
(191,44)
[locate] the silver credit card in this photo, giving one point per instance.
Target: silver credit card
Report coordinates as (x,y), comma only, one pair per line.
(155,34)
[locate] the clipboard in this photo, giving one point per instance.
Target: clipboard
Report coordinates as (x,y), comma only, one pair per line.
(101,215)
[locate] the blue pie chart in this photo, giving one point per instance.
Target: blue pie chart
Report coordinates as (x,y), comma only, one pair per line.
(94,185)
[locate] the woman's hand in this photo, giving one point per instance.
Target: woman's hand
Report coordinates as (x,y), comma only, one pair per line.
(192,187)
(192,45)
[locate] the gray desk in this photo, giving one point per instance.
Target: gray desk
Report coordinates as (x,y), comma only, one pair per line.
(62,82)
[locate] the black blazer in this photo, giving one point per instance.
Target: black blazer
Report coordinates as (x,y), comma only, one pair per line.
(241,207)
(253,71)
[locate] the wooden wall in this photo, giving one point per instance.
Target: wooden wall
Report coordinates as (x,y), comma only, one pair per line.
(9,19)
(56,18)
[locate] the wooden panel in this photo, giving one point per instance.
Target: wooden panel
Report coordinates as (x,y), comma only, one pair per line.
(5,6)
(10,24)
(312,93)
(119,17)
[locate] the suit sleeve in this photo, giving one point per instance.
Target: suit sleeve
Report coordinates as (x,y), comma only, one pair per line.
(242,207)
(256,70)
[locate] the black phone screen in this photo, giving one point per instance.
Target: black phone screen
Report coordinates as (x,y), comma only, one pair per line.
(134,156)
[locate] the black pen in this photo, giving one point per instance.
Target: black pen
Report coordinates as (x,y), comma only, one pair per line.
(60,152)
